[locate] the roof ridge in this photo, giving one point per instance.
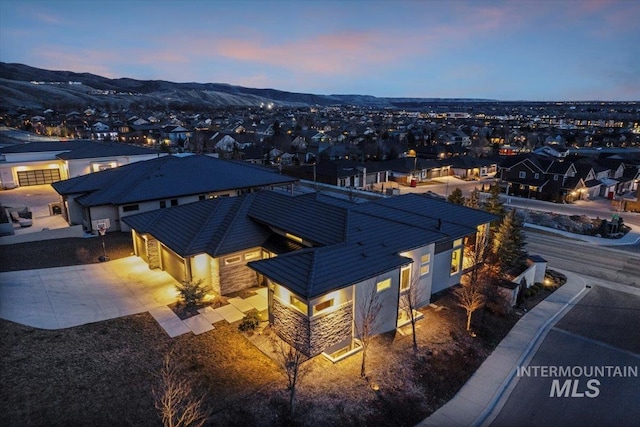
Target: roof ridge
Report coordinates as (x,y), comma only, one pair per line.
(312,268)
(211,214)
(235,208)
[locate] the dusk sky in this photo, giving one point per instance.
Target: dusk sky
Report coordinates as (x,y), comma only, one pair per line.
(543,50)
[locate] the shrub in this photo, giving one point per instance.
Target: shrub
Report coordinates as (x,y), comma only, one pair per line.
(250,321)
(192,292)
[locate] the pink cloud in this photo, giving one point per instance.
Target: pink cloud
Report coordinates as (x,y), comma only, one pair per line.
(345,52)
(86,61)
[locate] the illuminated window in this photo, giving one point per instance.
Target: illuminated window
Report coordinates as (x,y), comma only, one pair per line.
(457,243)
(232,260)
(405,278)
(299,304)
(424,264)
(252,255)
(383,285)
(456,258)
(323,305)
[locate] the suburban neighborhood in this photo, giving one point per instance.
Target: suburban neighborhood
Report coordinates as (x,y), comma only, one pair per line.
(313,265)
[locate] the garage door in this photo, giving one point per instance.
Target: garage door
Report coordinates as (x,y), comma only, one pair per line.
(38,177)
(173,264)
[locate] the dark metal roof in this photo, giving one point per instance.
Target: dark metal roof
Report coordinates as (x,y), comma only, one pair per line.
(316,271)
(105,149)
(354,242)
(310,219)
(431,210)
(79,149)
(214,226)
(167,177)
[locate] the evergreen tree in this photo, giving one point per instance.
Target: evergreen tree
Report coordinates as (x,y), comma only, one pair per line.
(509,242)
(473,201)
(493,204)
(456,197)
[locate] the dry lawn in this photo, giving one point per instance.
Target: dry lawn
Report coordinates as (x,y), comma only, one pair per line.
(104,373)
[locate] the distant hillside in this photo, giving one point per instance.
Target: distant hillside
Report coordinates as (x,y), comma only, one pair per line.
(64,89)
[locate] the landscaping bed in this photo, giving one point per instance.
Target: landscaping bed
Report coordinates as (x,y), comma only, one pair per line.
(578,224)
(104,373)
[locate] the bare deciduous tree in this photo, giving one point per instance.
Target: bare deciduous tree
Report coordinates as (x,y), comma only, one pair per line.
(291,360)
(175,401)
(368,308)
(470,297)
(409,303)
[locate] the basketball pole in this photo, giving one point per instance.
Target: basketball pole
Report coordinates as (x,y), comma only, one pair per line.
(104,257)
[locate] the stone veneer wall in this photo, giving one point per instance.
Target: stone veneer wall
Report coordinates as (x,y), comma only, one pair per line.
(313,336)
(236,277)
(331,329)
(215,275)
(153,252)
(291,325)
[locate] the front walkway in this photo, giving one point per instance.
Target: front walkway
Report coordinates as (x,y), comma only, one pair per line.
(63,297)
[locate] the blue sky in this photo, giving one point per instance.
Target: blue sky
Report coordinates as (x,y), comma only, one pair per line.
(542,50)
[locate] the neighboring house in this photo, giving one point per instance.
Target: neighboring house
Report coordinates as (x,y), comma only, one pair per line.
(154,184)
(553,151)
(406,169)
(530,176)
(319,256)
(468,167)
(38,163)
(343,173)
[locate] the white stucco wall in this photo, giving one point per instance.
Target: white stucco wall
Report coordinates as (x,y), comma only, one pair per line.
(387,317)
(422,282)
(442,277)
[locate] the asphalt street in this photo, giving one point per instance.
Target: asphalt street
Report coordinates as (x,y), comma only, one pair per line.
(600,330)
(616,265)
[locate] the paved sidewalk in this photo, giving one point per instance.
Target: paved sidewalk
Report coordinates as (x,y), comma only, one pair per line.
(479,397)
(631,238)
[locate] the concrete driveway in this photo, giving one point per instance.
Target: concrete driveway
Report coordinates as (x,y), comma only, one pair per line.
(63,297)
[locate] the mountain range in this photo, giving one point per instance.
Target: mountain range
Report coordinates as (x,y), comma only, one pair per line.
(34,88)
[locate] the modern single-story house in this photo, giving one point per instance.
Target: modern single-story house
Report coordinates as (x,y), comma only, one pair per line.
(320,257)
(158,183)
(38,163)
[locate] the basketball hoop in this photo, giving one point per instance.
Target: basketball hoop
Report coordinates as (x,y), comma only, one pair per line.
(101,226)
